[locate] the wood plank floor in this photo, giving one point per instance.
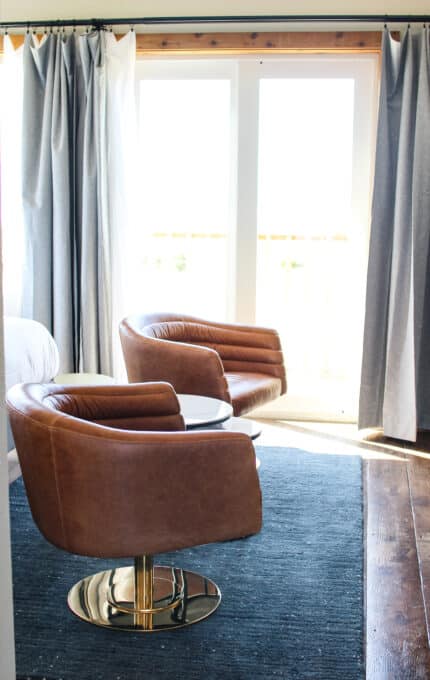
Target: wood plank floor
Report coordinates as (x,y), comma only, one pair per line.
(396,482)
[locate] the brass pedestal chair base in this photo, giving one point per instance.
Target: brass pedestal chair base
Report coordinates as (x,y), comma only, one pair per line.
(144,598)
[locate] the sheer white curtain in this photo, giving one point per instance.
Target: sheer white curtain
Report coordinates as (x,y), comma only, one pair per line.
(11,169)
(10,300)
(78,112)
(122,177)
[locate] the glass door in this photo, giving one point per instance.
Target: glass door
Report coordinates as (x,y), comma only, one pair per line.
(254,205)
(312,226)
(184,212)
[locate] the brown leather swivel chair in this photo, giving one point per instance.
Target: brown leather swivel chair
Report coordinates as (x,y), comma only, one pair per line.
(242,365)
(110,472)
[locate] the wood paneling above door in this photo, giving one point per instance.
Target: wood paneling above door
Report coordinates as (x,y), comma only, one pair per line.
(290,42)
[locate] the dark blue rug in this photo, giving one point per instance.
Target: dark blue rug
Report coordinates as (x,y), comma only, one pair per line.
(292,596)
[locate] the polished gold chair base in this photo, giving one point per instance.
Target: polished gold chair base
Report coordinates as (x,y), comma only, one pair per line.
(144,598)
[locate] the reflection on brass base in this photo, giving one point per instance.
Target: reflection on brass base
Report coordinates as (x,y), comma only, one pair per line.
(144,599)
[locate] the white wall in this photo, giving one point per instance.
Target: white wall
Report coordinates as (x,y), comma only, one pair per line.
(7,647)
(50,9)
(7,657)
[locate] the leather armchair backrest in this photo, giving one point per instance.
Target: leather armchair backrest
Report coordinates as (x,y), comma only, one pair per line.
(242,349)
(64,434)
(156,408)
(102,491)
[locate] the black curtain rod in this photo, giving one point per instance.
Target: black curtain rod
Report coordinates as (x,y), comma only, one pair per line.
(239,19)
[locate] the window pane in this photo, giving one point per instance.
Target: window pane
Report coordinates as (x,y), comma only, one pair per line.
(12,219)
(309,270)
(185,194)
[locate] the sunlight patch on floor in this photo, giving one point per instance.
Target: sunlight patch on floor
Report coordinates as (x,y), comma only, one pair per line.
(328,438)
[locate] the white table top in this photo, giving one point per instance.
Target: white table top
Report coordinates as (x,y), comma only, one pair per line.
(83,379)
(243,425)
(198,410)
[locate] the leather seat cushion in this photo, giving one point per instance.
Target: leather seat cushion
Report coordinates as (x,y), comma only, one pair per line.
(249,390)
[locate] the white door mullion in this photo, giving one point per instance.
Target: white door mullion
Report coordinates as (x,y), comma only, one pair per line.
(246,194)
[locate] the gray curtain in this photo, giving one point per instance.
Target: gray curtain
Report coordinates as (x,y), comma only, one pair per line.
(67,285)
(395,381)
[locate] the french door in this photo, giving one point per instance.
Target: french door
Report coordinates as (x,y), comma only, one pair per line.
(255,185)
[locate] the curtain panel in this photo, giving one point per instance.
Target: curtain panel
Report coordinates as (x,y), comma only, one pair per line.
(395,381)
(69,190)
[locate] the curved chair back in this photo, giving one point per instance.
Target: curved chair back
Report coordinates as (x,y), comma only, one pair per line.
(105,477)
(243,365)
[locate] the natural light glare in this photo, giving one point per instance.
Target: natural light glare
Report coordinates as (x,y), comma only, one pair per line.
(254,205)
(305,156)
(11,204)
(309,270)
(185,149)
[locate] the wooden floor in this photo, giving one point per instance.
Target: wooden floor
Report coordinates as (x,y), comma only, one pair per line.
(396,482)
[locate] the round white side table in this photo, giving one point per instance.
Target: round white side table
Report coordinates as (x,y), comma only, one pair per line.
(83,379)
(201,411)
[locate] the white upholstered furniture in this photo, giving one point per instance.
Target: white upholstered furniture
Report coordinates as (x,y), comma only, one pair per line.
(31,355)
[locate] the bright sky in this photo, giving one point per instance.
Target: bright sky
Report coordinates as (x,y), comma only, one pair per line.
(186,171)
(305,155)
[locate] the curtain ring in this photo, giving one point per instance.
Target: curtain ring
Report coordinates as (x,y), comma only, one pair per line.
(28,29)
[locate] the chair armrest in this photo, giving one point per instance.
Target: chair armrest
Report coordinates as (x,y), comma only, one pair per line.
(272,335)
(154,318)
